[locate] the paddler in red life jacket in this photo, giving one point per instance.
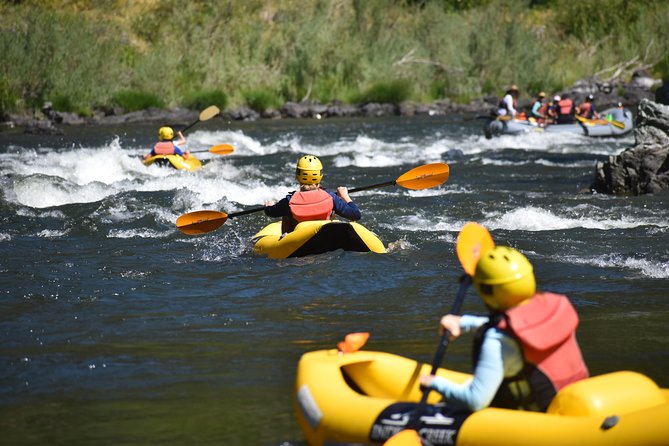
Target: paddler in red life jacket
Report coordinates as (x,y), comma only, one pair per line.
(565,110)
(525,350)
(311,202)
(166,146)
(587,109)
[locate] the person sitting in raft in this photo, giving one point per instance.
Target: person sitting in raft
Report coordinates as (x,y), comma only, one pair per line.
(538,108)
(551,112)
(565,110)
(311,201)
(525,350)
(587,108)
(166,145)
(507,105)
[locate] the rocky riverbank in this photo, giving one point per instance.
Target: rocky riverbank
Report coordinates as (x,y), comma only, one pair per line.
(606,94)
(644,167)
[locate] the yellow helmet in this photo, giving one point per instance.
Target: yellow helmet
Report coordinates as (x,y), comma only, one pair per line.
(166,133)
(504,278)
(309,170)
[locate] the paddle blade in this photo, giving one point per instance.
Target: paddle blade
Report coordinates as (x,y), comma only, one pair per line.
(353,342)
(201,222)
(209,113)
(222,149)
(473,241)
(424,177)
(407,437)
(620,125)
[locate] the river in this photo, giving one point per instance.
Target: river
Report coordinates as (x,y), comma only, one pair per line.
(118,329)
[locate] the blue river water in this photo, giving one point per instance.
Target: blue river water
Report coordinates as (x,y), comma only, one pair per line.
(118,329)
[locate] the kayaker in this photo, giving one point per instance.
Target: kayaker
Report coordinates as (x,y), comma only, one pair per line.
(166,145)
(587,108)
(507,105)
(311,201)
(565,110)
(525,350)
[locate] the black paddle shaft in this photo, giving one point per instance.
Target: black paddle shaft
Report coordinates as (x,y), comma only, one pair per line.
(465,281)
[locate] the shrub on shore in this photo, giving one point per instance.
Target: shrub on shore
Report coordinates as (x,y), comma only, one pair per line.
(259,52)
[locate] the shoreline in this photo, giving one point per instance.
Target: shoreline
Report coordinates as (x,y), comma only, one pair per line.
(48,121)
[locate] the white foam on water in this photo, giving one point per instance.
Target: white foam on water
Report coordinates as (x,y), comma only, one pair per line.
(564,143)
(4,237)
(49,233)
(648,268)
(537,219)
(137,233)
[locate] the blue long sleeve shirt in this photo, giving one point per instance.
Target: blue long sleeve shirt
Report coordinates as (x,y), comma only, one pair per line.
(348,210)
(500,356)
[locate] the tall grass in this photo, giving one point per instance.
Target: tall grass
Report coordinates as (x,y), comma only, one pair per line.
(78,55)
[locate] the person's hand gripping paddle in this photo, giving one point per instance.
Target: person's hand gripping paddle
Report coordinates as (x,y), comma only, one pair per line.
(473,241)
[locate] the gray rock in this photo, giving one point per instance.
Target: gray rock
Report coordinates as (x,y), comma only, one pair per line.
(643,168)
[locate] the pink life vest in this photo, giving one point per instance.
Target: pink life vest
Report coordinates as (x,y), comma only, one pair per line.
(545,328)
(164,148)
(565,107)
(585,110)
(311,205)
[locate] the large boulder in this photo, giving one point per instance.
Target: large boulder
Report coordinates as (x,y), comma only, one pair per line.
(643,168)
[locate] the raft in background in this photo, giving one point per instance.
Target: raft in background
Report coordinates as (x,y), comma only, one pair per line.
(587,127)
(315,237)
(338,398)
(175,161)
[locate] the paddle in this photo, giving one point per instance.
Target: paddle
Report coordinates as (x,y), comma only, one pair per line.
(620,125)
(422,177)
(221,149)
(473,241)
(205,115)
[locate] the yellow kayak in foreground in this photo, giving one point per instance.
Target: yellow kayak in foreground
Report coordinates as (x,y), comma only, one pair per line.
(176,161)
(339,397)
(315,237)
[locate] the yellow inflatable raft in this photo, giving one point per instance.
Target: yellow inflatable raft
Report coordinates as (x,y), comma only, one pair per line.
(176,161)
(339,397)
(315,237)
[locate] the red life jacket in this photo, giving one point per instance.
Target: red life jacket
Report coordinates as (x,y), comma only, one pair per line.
(585,110)
(565,107)
(311,205)
(164,148)
(545,330)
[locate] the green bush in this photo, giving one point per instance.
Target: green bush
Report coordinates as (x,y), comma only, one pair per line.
(203,99)
(133,100)
(390,92)
(8,99)
(261,99)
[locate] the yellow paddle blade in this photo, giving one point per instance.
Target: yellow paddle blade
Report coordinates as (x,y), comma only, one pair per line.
(222,149)
(620,125)
(424,177)
(200,222)
(209,113)
(473,241)
(408,437)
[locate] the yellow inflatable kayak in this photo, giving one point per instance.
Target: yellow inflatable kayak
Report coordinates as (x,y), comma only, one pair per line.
(315,237)
(176,161)
(339,399)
